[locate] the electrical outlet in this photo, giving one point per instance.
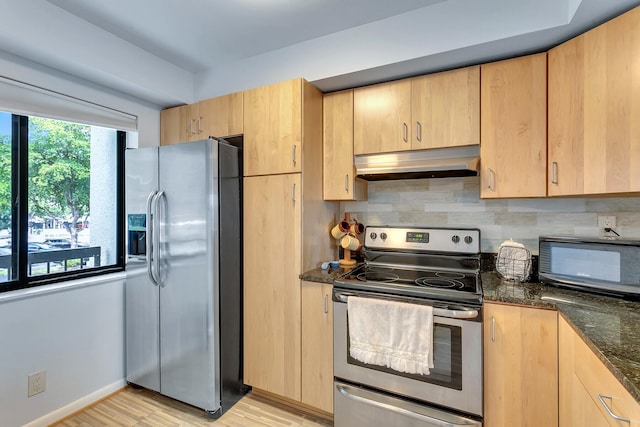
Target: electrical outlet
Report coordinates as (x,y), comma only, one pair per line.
(606,222)
(37,383)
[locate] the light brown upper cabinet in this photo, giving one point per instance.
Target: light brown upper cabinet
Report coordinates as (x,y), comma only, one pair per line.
(219,117)
(382,118)
(339,179)
(273,135)
(594,105)
(445,109)
(514,127)
(174,125)
(433,111)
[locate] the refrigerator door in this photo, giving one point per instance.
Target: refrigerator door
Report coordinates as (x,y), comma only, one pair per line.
(188,254)
(142,297)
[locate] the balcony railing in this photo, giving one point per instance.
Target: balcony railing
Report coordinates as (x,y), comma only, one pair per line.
(55,261)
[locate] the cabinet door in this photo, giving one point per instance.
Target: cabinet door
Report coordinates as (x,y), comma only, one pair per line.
(174,125)
(520,366)
(317,345)
(272,259)
(273,129)
(339,182)
(514,128)
(221,116)
(594,133)
(382,118)
(445,109)
(583,379)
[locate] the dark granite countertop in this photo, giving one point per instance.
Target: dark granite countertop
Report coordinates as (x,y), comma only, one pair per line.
(610,326)
(324,276)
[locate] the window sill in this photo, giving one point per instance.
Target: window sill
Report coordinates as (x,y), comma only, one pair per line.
(60,287)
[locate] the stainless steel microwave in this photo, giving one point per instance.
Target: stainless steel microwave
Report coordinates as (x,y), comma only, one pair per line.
(601,265)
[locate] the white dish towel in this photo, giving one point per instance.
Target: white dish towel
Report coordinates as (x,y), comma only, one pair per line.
(394,334)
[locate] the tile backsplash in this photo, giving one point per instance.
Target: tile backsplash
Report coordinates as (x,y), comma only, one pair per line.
(455,202)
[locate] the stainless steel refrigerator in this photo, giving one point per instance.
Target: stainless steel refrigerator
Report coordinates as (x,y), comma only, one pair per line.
(183,292)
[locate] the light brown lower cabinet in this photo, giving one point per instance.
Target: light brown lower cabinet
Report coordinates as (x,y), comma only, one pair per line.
(590,395)
(317,345)
(520,366)
(272,260)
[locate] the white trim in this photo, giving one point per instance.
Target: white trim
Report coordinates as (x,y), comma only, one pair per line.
(37,291)
(79,404)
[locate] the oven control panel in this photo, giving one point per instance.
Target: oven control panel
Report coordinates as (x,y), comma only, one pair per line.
(458,240)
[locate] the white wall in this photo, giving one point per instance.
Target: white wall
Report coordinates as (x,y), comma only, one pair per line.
(76,335)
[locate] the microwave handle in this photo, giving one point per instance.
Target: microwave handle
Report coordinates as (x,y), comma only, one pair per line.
(441,312)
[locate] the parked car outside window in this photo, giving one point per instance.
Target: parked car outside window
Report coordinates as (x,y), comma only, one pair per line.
(37,247)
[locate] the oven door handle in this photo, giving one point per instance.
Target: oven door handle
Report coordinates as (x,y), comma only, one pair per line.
(456,314)
(352,393)
(441,312)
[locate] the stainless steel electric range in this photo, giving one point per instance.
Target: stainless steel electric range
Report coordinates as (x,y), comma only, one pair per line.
(439,267)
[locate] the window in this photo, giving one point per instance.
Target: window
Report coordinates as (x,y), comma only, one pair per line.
(61,200)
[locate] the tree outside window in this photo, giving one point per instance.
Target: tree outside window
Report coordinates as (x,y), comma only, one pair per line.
(59,172)
(71,170)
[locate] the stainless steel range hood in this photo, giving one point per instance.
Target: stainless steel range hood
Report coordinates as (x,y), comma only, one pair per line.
(433,163)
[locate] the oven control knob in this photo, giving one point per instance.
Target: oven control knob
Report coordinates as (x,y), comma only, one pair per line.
(373,236)
(455,238)
(383,236)
(468,239)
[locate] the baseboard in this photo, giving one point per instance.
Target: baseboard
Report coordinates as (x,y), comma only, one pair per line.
(294,404)
(78,405)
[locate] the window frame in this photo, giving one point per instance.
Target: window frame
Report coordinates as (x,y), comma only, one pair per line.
(19,220)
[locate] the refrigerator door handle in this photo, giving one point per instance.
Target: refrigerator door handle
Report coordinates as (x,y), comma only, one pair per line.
(149,237)
(156,237)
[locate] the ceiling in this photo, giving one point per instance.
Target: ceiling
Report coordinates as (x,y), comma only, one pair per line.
(169,52)
(197,34)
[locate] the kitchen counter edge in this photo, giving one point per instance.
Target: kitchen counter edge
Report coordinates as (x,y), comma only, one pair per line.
(324,276)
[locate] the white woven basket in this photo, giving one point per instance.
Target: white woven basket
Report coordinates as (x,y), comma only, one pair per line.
(513,261)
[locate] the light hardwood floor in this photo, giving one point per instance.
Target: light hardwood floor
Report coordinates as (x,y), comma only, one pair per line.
(139,407)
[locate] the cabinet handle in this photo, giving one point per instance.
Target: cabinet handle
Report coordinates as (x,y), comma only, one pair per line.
(293,193)
(493,329)
(191,132)
(405,132)
(200,124)
(346,183)
(607,408)
(326,303)
(554,172)
(418,131)
(490,182)
(293,154)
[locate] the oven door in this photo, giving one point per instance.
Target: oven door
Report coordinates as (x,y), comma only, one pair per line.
(454,382)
